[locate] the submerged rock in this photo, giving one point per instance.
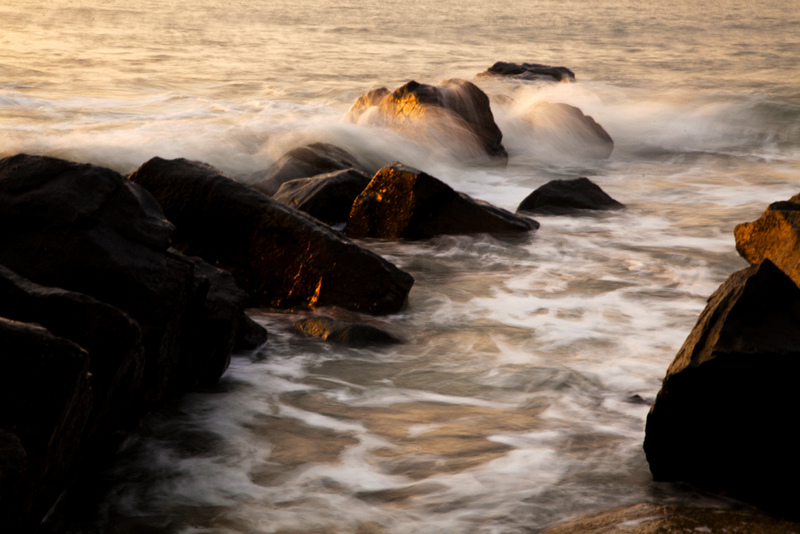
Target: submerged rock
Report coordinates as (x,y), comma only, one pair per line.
(567,129)
(568,196)
(530,72)
(774,236)
(304,162)
(456,112)
(281,257)
(344,332)
(724,418)
(403,202)
(327,197)
(671,519)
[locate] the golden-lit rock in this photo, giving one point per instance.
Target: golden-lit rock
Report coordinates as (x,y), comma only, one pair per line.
(774,236)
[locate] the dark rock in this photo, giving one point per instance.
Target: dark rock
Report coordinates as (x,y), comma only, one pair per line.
(45,401)
(402,202)
(250,335)
(774,236)
(530,72)
(457,109)
(281,257)
(672,519)
(344,332)
(723,419)
(568,196)
(111,337)
(304,162)
(327,197)
(566,128)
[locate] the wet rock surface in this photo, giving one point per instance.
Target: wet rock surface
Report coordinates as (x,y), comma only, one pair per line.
(458,108)
(404,203)
(281,257)
(722,418)
(530,72)
(344,332)
(327,197)
(568,196)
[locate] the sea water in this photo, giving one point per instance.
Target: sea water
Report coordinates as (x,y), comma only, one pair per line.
(519,396)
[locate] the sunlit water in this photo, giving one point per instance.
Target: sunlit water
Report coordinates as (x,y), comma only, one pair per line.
(519,396)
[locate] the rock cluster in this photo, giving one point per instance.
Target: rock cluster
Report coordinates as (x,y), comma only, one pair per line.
(530,72)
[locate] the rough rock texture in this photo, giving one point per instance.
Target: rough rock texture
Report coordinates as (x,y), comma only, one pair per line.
(568,196)
(530,72)
(723,419)
(344,332)
(304,162)
(566,128)
(327,197)
(45,403)
(774,236)
(670,519)
(402,202)
(456,109)
(281,257)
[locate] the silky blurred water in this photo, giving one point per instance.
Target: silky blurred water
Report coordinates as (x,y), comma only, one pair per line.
(519,396)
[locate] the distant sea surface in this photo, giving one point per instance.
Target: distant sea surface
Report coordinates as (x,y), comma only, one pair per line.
(520,394)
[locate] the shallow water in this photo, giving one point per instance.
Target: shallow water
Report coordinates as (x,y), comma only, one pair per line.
(519,396)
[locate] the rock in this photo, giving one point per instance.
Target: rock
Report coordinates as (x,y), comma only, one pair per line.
(672,519)
(402,202)
(456,111)
(724,418)
(344,332)
(281,257)
(774,236)
(568,130)
(568,196)
(45,405)
(304,162)
(111,337)
(327,197)
(530,72)
(250,335)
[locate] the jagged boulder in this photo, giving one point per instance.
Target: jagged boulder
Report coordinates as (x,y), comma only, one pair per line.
(304,162)
(327,197)
(281,257)
(403,202)
(455,112)
(724,418)
(774,236)
(530,72)
(567,129)
(344,332)
(568,196)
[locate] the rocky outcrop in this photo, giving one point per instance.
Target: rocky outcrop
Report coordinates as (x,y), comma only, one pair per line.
(304,162)
(568,196)
(774,236)
(672,519)
(281,257)
(724,418)
(530,72)
(344,332)
(566,128)
(327,197)
(456,110)
(404,203)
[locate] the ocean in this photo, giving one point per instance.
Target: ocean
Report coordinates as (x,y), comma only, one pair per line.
(519,396)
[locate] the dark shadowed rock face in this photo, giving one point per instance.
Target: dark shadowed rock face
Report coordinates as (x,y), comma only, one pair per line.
(568,196)
(724,418)
(671,519)
(530,72)
(281,257)
(774,236)
(457,111)
(304,162)
(402,202)
(327,197)
(45,403)
(344,332)
(568,129)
